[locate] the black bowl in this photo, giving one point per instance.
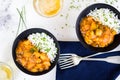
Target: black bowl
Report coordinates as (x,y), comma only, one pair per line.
(23,36)
(83,14)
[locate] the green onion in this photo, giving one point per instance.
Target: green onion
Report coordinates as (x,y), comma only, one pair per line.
(61,15)
(67,15)
(48,49)
(66,24)
(22,15)
(32,50)
(105,19)
(44,39)
(62,27)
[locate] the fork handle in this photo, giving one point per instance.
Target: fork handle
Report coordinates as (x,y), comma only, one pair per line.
(94,59)
(101,53)
(111,59)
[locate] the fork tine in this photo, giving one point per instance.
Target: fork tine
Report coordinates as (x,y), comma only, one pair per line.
(67,62)
(62,57)
(66,67)
(66,54)
(65,59)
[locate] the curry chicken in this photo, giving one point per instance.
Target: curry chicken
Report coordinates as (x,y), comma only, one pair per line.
(96,34)
(30,58)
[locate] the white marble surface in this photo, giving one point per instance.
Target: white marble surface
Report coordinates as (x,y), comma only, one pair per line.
(62,26)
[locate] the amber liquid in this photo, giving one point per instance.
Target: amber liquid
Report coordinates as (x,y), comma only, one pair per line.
(47,7)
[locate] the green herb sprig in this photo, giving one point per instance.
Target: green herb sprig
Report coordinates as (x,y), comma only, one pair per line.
(22,19)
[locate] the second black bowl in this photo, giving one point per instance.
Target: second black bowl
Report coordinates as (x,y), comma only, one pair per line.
(23,36)
(83,14)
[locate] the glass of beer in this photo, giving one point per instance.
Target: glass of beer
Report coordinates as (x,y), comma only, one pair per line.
(47,8)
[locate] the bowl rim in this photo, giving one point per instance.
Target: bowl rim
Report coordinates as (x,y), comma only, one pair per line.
(111,46)
(25,33)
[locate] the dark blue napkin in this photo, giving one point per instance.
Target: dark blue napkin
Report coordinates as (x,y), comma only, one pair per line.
(87,70)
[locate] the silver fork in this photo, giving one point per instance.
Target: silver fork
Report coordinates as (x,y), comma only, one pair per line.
(70,60)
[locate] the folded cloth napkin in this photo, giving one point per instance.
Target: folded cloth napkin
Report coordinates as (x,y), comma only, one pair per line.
(87,70)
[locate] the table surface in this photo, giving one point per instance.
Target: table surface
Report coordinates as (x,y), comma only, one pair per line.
(61,25)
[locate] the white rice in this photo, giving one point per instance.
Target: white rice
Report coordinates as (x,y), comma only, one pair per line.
(44,43)
(106,17)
